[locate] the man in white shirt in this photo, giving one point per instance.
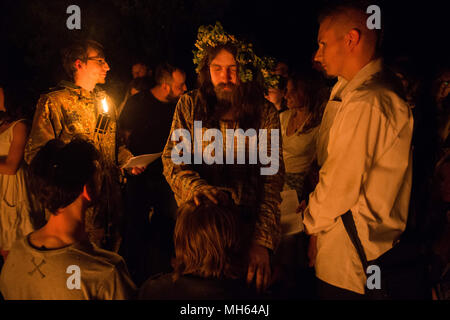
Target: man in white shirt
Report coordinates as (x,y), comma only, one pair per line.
(364,151)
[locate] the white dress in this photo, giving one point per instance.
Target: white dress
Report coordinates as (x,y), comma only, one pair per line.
(15,219)
(299,149)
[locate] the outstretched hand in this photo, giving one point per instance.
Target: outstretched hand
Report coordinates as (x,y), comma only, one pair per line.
(259,267)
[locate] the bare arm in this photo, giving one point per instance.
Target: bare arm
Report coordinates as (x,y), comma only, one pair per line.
(10,164)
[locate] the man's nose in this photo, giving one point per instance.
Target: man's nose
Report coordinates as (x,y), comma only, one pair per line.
(184,88)
(226,75)
(318,56)
(106,66)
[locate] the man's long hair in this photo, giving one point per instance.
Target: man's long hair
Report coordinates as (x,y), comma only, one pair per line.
(247,102)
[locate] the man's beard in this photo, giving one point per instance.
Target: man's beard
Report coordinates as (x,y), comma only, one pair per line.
(226,99)
(226,92)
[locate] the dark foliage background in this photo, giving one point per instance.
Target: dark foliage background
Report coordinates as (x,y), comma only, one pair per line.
(33,32)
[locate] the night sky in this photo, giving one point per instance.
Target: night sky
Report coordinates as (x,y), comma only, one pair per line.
(33,32)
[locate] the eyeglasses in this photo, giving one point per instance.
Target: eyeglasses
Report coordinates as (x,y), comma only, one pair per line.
(99,61)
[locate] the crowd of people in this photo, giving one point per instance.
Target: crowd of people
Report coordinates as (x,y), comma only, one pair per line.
(367,159)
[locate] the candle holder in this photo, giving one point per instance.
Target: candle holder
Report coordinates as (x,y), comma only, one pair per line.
(103,121)
(102,124)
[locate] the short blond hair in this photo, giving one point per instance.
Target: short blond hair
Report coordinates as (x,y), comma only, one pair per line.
(352,13)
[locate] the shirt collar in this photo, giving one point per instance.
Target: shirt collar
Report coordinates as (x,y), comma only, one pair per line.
(81,92)
(343,87)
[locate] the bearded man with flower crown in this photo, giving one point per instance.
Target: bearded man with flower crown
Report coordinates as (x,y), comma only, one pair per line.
(231,96)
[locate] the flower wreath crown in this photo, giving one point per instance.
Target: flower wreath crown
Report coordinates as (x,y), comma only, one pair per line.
(212,36)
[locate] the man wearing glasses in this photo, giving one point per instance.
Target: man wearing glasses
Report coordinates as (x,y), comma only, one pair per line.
(78,107)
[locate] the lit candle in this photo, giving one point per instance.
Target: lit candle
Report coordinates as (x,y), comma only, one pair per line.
(105,105)
(103,119)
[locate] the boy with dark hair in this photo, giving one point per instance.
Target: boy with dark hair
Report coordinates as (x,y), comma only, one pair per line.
(58,261)
(79,50)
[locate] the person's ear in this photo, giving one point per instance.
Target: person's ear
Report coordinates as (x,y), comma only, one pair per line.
(352,38)
(78,64)
(86,194)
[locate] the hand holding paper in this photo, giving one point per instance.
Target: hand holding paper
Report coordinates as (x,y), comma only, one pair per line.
(141,161)
(137,170)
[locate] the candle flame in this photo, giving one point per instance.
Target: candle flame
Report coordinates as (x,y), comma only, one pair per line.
(105,105)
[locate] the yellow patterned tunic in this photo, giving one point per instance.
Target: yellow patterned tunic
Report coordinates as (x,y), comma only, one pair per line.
(68,111)
(249,189)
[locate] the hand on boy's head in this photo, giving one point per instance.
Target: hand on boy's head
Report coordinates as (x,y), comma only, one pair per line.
(212,193)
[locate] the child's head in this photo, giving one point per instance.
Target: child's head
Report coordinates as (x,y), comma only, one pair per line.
(59,172)
(210,241)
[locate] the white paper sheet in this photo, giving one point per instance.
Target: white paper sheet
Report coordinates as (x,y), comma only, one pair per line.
(142,160)
(291,221)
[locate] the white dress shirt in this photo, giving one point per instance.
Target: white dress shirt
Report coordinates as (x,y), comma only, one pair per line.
(364,151)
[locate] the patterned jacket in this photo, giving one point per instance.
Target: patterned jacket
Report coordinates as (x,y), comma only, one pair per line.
(68,111)
(258,194)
